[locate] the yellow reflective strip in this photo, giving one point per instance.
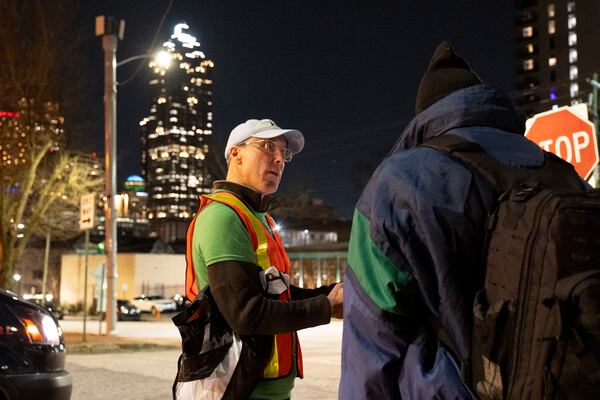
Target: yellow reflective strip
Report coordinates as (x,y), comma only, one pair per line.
(272,368)
(262,258)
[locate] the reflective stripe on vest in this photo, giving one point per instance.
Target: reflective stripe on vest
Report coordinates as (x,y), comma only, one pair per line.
(282,358)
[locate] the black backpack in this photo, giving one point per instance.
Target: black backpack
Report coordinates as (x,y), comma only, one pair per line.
(536,317)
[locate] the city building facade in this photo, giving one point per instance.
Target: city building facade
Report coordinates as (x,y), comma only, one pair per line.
(16,126)
(557,52)
(177,149)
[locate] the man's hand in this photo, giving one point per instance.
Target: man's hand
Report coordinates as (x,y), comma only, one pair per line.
(336,301)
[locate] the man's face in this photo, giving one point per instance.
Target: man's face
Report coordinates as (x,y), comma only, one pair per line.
(259,168)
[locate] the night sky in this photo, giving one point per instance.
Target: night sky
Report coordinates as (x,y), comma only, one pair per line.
(345,73)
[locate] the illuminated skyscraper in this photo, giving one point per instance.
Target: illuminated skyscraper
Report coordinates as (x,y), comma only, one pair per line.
(16,128)
(177,134)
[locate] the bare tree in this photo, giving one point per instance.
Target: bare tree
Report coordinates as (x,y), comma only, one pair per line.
(40,93)
(62,223)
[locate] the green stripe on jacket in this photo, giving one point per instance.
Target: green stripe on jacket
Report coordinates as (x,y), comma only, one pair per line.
(379,278)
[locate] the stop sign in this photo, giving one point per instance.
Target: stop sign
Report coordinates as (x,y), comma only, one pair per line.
(568,135)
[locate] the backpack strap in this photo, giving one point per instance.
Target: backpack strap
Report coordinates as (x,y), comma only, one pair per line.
(553,173)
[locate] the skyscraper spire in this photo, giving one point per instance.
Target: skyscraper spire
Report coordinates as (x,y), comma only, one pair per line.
(177,134)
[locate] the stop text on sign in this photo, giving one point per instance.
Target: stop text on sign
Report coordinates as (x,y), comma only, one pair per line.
(568,133)
(567,146)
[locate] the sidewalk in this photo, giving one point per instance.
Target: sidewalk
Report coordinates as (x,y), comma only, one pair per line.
(97,344)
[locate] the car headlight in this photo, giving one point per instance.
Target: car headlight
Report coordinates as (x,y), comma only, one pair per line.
(124,310)
(40,328)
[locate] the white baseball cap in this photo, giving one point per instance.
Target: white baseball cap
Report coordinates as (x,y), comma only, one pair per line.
(264,129)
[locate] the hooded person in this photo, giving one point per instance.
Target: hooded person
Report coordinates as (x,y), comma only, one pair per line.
(417,238)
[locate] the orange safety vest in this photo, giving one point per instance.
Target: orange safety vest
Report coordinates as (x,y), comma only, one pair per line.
(269,252)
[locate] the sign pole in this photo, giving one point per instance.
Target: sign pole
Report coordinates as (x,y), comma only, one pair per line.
(85,282)
(101,299)
(595,117)
(87,216)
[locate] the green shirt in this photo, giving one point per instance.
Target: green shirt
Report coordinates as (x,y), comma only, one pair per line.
(220,235)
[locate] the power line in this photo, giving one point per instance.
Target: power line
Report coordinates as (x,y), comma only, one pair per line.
(559,83)
(140,63)
(359,137)
(400,123)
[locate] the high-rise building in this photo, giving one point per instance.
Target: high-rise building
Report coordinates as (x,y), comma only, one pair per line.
(177,135)
(16,128)
(557,51)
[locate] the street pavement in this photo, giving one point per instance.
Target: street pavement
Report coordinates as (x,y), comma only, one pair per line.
(149,375)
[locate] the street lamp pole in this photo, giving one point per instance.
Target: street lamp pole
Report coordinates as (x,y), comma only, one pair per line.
(111,31)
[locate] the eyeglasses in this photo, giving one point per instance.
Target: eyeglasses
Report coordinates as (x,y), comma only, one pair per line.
(271,147)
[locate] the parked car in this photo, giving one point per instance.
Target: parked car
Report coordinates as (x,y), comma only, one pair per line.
(125,312)
(32,352)
(152,303)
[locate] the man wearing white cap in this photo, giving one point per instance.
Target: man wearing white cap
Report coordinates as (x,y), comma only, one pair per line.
(234,248)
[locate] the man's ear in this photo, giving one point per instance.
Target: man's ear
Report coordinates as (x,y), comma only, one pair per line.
(235,153)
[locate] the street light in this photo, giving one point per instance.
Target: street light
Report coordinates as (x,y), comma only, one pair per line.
(111,31)
(162,58)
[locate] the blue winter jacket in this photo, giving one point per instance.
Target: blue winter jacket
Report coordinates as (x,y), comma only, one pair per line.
(416,241)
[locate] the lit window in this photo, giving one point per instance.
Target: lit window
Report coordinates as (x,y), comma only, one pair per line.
(528,64)
(529,47)
(574,89)
(572,38)
(551,27)
(552,61)
(571,5)
(551,10)
(527,32)
(572,55)
(553,96)
(573,72)
(571,21)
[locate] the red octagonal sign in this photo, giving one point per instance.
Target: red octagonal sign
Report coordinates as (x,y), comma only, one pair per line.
(568,135)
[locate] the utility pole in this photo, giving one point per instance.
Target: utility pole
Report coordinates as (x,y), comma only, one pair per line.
(593,109)
(111,31)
